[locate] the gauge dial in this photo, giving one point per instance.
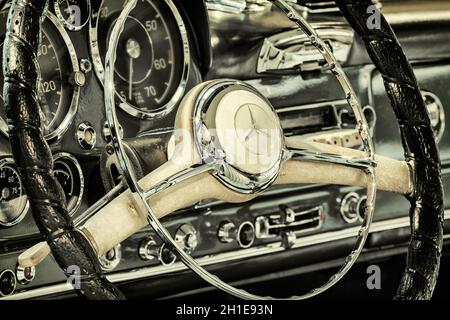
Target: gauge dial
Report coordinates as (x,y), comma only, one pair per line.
(13,200)
(151,64)
(65,178)
(57,63)
(73,13)
(68,172)
(50,86)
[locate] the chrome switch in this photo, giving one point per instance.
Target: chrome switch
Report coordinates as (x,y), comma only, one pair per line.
(186,237)
(227,232)
(148,250)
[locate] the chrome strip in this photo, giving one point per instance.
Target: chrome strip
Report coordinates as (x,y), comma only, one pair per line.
(148,272)
(334,103)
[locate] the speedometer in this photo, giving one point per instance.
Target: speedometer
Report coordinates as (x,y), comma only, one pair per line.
(152,55)
(58,63)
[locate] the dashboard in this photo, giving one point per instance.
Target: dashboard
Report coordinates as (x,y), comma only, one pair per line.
(168,47)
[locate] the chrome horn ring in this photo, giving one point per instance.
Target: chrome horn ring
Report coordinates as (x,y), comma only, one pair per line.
(367,164)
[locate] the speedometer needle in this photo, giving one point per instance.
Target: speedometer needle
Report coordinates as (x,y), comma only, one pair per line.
(133,51)
(130,81)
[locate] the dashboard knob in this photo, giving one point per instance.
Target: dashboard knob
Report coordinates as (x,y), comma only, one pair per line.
(148,250)
(186,237)
(8,282)
(227,232)
(349,207)
(25,274)
(86,136)
(77,79)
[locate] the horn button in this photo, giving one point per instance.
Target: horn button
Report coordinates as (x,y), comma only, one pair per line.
(245,134)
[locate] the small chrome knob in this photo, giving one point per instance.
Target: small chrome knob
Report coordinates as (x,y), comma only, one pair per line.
(77,79)
(25,275)
(148,250)
(227,232)
(86,136)
(349,207)
(186,237)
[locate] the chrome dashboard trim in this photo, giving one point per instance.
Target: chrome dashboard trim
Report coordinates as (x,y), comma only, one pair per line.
(148,272)
(293,51)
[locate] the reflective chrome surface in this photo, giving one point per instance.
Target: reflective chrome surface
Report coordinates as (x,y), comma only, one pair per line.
(74,11)
(74,67)
(292,50)
(25,275)
(72,111)
(236,166)
(186,237)
(86,136)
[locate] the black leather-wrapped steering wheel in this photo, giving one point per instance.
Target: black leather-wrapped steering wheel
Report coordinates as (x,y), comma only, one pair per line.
(70,247)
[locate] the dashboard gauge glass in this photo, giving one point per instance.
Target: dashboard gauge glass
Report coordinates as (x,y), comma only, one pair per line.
(74,14)
(13,200)
(152,56)
(68,172)
(57,61)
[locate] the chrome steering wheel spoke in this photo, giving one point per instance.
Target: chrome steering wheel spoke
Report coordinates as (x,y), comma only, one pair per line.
(317,156)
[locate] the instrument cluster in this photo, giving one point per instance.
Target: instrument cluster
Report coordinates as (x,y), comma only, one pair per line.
(151,76)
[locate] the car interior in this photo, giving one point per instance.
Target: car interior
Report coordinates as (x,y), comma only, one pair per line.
(225,149)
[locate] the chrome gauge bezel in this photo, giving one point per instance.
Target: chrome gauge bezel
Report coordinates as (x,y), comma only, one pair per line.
(62,128)
(73,108)
(69,26)
(186,61)
(10,162)
(68,159)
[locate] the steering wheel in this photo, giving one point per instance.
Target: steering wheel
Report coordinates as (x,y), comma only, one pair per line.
(229,146)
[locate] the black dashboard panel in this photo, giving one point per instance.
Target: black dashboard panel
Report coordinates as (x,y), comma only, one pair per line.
(230,236)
